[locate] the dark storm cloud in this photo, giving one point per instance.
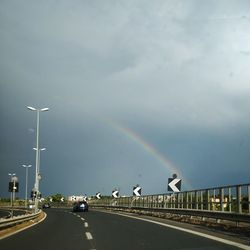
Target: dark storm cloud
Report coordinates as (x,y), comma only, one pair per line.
(174,72)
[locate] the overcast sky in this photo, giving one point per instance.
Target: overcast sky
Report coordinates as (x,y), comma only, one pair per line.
(137,91)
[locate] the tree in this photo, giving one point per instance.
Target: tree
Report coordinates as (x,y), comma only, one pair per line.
(56,197)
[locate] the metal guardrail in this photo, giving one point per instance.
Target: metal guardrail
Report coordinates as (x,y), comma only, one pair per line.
(227,202)
(4,223)
(12,211)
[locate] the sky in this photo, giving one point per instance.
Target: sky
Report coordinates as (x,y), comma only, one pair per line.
(137,91)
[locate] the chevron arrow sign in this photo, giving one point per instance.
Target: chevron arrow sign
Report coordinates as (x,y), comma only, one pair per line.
(174,185)
(137,191)
(115,193)
(98,195)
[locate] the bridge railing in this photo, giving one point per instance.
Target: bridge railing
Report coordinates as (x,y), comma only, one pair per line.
(226,201)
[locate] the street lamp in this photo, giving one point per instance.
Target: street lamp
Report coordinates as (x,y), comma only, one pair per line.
(26,186)
(37,152)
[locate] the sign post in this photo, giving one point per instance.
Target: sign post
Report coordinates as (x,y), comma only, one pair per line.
(13,188)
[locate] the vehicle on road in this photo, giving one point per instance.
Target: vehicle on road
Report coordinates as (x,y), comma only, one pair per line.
(81,206)
(46,205)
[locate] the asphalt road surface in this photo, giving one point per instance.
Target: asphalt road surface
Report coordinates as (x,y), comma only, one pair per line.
(63,229)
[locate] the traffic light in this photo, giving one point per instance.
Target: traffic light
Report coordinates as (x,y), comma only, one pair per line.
(16,187)
(33,194)
(13,186)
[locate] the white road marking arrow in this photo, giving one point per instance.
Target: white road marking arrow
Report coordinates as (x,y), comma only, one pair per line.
(173,183)
(137,191)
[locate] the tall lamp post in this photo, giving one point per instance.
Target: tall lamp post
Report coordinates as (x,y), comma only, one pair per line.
(37,153)
(26,186)
(39,166)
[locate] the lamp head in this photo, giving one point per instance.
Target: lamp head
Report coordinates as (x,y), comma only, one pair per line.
(31,108)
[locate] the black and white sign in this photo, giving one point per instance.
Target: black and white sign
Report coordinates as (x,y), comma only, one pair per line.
(137,191)
(174,185)
(115,193)
(98,195)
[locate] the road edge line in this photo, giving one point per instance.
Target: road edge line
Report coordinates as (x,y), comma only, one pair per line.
(211,237)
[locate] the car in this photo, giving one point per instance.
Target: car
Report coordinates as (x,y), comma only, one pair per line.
(81,206)
(46,205)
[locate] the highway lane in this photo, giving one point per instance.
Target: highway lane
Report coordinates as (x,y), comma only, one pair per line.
(60,230)
(111,231)
(63,229)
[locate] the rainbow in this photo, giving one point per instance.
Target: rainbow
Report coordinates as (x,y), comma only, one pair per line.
(130,134)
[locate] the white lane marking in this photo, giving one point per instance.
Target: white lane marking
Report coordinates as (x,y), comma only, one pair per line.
(86,224)
(78,216)
(228,242)
(89,236)
(82,219)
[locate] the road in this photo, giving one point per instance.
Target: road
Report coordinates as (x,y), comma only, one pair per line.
(63,229)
